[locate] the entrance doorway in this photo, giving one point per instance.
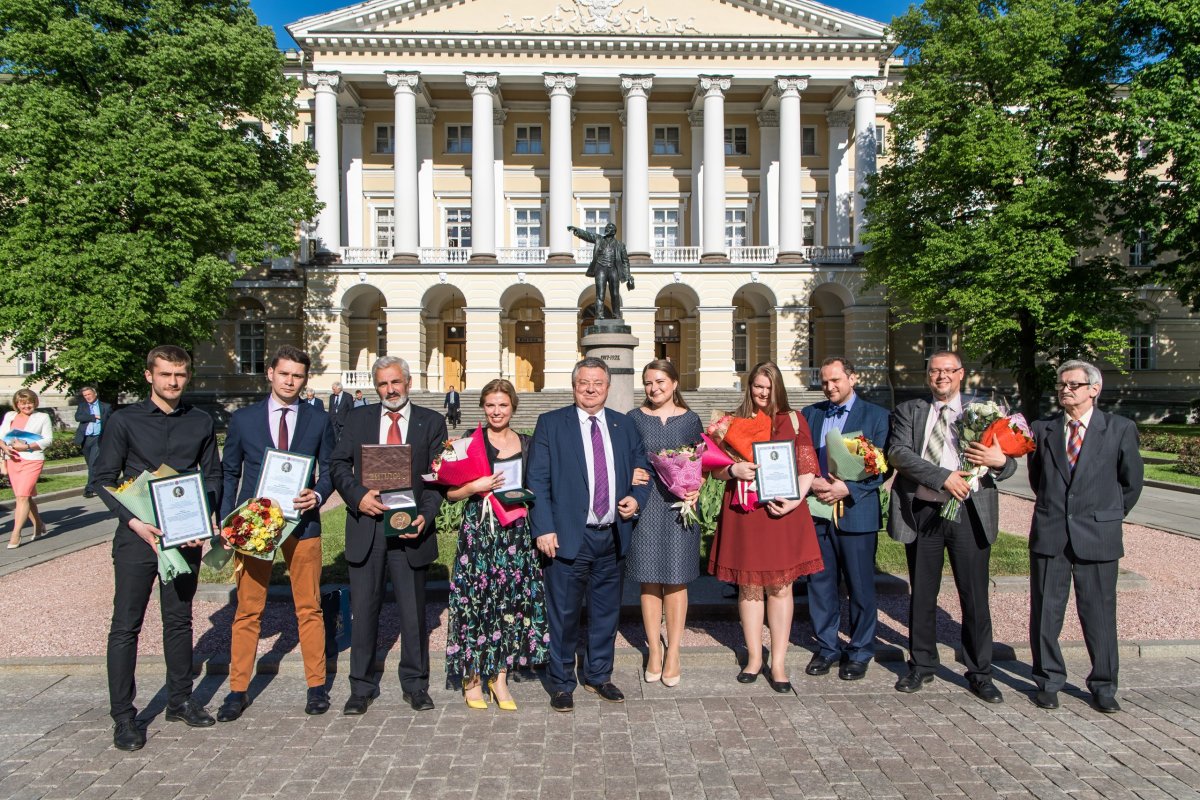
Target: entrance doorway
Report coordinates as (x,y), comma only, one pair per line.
(454,355)
(529,352)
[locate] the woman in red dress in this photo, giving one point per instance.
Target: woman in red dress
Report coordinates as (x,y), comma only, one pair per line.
(764,550)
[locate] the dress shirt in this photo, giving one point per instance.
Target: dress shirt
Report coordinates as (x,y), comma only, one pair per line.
(359,403)
(1085,421)
(835,423)
(275,411)
(585,430)
(950,459)
(93,427)
(385,422)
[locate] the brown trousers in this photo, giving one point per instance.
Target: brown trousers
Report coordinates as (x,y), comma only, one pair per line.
(253,575)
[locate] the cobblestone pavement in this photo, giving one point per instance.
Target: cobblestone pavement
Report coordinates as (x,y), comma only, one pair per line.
(707,738)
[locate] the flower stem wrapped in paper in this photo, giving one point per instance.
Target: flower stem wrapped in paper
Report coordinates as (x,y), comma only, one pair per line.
(134,495)
(987,423)
(681,469)
(851,457)
(464,460)
(256,529)
(736,436)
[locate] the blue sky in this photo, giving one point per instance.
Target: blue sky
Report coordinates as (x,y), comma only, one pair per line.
(278,13)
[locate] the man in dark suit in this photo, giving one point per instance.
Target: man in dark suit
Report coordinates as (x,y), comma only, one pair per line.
(452,406)
(848,542)
(581,464)
(310,397)
(339,406)
(1087,474)
(281,421)
(91,414)
(372,556)
(923,450)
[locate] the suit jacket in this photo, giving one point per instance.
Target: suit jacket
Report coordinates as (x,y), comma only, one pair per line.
(339,407)
(558,478)
(452,401)
(426,432)
(316,403)
(862,512)
(83,415)
(250,434)
(1085,508)
(905,446)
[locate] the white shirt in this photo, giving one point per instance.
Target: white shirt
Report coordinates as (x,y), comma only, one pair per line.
(585,430)
(949,452)
(1086,420)
(274,412)
(385,422)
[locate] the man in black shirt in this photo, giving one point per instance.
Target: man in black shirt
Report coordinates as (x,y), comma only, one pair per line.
(145,436)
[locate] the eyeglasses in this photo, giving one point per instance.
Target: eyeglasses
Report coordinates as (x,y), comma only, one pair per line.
(590,384)
(1072,385)
(933,373)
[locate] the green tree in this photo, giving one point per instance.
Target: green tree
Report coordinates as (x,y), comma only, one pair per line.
(134,162)
(1001,174)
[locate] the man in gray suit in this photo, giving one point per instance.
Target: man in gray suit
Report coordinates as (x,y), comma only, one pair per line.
(923,450)
(1087,474)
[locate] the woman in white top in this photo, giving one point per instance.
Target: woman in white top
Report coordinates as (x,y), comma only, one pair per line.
(24,459)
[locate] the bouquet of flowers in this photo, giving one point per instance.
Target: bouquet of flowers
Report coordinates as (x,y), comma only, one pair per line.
(987,422)
(134,494)
(464,460)
(735,436)
(851,457)
(256,528)
(681,469)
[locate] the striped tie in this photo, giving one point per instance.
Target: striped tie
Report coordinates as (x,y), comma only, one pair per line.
(937,437)
(1074,442)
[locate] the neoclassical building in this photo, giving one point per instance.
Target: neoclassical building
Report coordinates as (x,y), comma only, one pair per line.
(457,139)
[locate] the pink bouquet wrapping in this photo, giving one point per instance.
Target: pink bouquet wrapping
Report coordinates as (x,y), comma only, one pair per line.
(681,469)
(464,460)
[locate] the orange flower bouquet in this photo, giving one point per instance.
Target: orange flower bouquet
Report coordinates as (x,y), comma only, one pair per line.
(736,436)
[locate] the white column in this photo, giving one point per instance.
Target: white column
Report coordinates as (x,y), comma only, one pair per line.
(636,89)
(839,178)
(500,216)
(483,193)
(561,86)
(791,225)
(325,134)
(716,347)
(425,176)
(352,155)
(404,178)
(712,240)
(768,177)
(695,235)
(406,339)
(864,93)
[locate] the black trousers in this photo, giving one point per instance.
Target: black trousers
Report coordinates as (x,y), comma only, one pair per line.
(91,451)
(135,569)
(367,581)
(970,559)
(1050,579)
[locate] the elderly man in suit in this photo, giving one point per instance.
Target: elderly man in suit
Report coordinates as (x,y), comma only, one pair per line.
(339,406)
(281,421)
(372,555)
(310,397)
(91,416)
(848,542)
(923,450)
(581,464)
(1087,475)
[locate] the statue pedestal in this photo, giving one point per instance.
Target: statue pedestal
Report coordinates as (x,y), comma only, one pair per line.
(612,341)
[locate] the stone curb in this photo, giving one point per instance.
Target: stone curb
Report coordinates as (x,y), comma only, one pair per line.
(61,494)
(1176,487)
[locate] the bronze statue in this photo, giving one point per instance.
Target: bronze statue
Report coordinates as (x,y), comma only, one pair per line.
(610,266)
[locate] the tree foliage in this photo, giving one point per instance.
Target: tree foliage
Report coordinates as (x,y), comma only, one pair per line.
(133,163)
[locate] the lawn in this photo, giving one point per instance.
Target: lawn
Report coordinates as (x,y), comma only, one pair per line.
(1178,430)
(1010,556)
(1158,455)
(1171,474)
(52,483)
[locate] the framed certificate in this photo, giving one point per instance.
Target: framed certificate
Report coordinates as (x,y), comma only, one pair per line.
(283,476)
(776,477)
(181,508)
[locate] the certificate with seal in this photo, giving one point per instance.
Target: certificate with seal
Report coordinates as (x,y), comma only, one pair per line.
(776,477)
(181,508)
(283,476)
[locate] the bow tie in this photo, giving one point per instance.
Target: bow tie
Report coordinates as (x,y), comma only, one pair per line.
(835,411)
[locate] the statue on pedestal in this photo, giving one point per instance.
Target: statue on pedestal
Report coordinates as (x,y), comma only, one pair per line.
(610,266)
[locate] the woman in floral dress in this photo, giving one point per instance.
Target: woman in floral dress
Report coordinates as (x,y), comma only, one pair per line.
(497,596)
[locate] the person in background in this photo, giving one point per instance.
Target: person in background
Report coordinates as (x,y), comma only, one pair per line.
(91,414)
(24,459)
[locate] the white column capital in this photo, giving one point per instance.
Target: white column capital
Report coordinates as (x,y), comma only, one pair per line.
(324,81)
(790,85)
(867,84)
(695,118)
(499,115)
(839,119)
(715,85)
(402,81)
(767,119)
(636,85)
(482,82)
(559,82)
(351,115)
(426,115)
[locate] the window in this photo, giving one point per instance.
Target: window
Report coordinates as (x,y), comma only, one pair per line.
(251,347)
(1141,346)
(385,138)
(597,140)
(385,225)
(529,227)
(808,141)
(594,220)
(458,138)
(529,140)
(740,347)
(31,362)
(666,227)
(310,133)
(808,227)
(735,227)
(666,140)
(458,227)
(735,141)
(880,140)
(1139,251)
(934,337)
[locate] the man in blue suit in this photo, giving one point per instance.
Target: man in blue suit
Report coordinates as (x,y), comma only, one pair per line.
(581,466)
(91,415)
(281,421)
(847,543)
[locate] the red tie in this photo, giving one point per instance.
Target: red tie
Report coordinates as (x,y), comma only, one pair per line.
(282,436)
(394,436)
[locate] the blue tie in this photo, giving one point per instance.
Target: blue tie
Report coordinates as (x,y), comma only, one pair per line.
(835,411)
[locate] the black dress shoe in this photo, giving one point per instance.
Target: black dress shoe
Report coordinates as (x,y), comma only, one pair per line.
(1108,705)
(419,700)
(318,701)
(748,677)
(606,691)
(195,716)
(1048,700)
(358,704)
(235,703)
(783,687)
(913,681)
(987,692)
(853,670)
(128,736)
(88,495)
(819,665)
(562,701)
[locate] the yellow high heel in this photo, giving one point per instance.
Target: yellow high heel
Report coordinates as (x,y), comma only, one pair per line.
(479,705)
(505,705)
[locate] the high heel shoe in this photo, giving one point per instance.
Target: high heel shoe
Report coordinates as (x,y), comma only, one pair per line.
(479,704)
(505,705)
(38,533)
(652,677)
(669,680)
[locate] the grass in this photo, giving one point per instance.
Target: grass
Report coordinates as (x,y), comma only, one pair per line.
(1010,556)
(1157,454)
(52,483)
(1171,474)
(1178,430)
